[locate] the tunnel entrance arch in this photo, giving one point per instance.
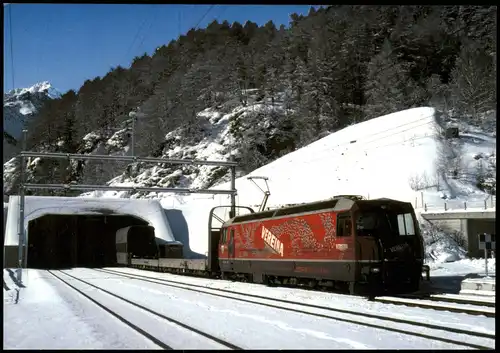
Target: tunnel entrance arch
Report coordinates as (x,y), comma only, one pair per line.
(23,186)
(67,241)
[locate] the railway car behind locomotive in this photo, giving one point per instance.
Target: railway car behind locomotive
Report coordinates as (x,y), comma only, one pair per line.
(364,244)
(135,242)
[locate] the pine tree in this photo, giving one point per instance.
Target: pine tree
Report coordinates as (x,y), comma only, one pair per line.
(439,94)
(387,83)
(473,83)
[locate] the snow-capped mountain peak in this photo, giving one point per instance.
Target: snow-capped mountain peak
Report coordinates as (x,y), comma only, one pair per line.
(40,87)
(19,106)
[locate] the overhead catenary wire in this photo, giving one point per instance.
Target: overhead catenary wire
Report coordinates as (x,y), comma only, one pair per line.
(204,15)
(177,99)
(363,144)
(136,35)
(385,131)
(148,29)
(223,9)
(142,25)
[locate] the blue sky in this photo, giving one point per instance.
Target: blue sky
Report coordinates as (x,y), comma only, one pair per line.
(67,44)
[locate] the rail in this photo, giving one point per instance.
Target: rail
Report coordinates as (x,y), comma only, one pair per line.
(115,314)
(304,308)
(149,310)
(425,303)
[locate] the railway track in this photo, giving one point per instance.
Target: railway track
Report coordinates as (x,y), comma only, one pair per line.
(455,305)
(300,308)
(462,299)
(132,325)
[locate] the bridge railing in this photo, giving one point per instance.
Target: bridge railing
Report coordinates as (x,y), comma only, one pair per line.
(488,204)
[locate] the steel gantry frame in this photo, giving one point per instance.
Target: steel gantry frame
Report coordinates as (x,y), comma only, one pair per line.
(23,186)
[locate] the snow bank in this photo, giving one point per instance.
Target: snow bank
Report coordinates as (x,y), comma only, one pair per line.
(190,226)
(440,246)
(444,250)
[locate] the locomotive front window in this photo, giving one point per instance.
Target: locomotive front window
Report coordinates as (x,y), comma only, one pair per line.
(405,224)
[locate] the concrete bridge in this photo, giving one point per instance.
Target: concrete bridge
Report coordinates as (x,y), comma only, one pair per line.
(469,222)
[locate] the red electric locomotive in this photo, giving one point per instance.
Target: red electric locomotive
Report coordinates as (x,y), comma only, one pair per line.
(374,244)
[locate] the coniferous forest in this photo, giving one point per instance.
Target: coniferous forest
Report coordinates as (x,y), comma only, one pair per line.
(336,66)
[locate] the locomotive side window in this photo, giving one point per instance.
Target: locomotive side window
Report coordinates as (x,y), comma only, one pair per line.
(343,225)
(230,245)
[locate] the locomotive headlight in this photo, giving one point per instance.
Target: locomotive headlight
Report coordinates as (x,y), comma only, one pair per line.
(375,269)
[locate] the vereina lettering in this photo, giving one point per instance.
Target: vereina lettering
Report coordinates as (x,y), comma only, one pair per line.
(272,241)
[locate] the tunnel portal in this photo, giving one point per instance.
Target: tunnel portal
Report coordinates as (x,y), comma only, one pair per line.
(58,241)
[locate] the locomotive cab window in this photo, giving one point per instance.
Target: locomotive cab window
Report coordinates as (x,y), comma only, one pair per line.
(405,224)
(344,225)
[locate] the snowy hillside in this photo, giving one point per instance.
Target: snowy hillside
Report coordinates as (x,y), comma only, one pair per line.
(19,105)
(402,156)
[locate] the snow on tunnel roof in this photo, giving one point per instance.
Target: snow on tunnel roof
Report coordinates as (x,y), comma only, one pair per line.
(150,211)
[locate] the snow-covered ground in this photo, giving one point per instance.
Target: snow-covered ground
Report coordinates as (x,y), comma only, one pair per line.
(464,267)
(34,317)
(448,276)
(441,278)
(46,315)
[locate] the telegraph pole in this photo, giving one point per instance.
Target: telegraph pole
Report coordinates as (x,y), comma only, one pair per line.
(232,213)
(132,115)
(22,237)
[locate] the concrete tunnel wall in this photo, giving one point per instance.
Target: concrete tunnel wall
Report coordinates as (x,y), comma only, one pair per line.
(37,206)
